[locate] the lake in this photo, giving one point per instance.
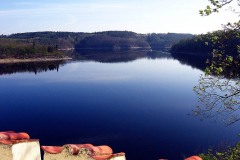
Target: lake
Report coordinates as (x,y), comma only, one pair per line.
(136,102)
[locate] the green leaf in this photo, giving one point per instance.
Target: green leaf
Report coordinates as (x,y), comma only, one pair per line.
(229,59)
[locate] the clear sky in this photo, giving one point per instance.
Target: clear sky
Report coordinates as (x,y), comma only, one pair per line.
(141,16)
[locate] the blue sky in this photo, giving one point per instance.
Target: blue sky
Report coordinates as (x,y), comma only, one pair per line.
(141,16)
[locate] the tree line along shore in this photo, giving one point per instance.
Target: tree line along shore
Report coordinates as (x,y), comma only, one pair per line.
(51,45)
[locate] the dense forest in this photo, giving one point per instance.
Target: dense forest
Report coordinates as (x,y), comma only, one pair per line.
(198,44)
(113,40)
(62,39)
(161,40)
(22,45)
(221,47)
(16,48)
(206,43)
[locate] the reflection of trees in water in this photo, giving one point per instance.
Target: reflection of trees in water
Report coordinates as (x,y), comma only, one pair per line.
(218,96)
(111,56)
(103,56)
(194,61)
(219,89)
(157,54)
(35,67)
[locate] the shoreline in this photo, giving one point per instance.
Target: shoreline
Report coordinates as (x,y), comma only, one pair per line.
(42,59)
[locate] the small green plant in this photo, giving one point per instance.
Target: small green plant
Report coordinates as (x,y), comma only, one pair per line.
(232,153)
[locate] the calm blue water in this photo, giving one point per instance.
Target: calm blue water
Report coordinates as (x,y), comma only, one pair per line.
(142,107)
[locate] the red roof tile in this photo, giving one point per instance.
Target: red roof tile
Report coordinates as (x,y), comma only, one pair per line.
(194,158)
(96,152)
(11,137)
(52,149)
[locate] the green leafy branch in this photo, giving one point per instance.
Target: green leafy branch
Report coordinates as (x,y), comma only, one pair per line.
(216,5)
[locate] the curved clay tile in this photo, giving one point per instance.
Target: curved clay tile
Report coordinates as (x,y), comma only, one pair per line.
(4,135)
(194,158)
(96,152)
(7,142)
(8,132)
(52,149)
(13,136)
(102,150)
(84,145)
(18,136)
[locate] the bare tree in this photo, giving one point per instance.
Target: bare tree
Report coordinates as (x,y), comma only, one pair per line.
(218,96)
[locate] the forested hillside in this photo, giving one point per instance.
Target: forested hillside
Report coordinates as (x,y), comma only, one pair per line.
(161,40)
(15,48)
(70,39)
(113,40)
(62,39)
(42,43)
(206,43)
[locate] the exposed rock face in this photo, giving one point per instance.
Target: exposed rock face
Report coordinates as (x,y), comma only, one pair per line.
(81,152)
(18,146)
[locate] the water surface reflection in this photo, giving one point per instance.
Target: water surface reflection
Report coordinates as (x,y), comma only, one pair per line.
(140,107)
(35,67)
